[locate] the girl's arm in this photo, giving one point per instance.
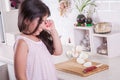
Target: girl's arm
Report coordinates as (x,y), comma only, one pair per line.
(20,60)
(56,40)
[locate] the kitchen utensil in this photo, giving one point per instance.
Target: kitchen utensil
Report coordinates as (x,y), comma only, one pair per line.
(91,68)
(71,66)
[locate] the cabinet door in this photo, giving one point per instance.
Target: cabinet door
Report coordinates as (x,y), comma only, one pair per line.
(11,72)
(4,72)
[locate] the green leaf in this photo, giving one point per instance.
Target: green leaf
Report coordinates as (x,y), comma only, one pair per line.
(77,8)
(81,4)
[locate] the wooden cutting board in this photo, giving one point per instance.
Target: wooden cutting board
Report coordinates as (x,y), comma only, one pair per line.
(71,66)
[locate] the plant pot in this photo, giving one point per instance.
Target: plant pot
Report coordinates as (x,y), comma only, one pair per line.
(88,21)
(81,20)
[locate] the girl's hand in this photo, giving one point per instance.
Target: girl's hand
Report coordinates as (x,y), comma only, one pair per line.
(49,25)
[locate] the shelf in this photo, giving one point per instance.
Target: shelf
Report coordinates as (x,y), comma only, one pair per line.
(9,7)
(106,35)
(12,11)
(112,40)
(95,34)
(83,28)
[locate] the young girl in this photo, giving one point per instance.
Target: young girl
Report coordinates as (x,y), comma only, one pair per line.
(36,43)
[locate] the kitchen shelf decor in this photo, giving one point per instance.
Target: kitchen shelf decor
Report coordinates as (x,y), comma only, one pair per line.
(64,7)
(111,41)
(14,4)
(85,9)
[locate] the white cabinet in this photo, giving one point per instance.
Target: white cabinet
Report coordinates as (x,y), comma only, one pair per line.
(4,71)
(95,40)
(11,72)
(79,34)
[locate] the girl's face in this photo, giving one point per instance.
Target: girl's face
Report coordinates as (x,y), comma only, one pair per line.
(34,24)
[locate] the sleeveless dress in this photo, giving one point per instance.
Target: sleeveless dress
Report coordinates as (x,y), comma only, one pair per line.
(40,65)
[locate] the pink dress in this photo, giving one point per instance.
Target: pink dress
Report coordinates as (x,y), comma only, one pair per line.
(40,64)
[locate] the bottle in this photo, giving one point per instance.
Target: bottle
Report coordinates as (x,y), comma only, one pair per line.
(69,48)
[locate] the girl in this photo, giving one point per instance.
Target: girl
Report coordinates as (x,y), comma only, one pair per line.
(36,43)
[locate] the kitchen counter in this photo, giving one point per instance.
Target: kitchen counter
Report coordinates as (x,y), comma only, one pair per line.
(110,74)
(6,55)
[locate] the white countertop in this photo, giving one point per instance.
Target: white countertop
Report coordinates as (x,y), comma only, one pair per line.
(113,73)
(6,54)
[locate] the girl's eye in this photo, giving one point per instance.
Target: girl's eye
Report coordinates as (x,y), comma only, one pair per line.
(45,21)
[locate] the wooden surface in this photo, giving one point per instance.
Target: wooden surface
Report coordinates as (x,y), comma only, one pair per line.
(71,66)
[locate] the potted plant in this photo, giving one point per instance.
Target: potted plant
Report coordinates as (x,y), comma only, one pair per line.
(81,6)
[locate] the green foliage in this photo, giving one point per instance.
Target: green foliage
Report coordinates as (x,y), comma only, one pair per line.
(82,4)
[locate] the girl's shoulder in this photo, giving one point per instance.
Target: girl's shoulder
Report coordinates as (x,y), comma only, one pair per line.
(20,43)
(21,39)
(27,39)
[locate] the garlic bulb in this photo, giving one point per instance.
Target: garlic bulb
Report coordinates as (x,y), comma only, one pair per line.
(69,53)
(75,54)
(83,55)
(80,61)
(79,48)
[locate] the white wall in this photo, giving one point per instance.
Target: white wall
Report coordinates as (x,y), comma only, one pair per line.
(64,24)
(107,10)
(9,17)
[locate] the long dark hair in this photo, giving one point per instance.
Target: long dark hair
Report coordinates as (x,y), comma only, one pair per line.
(29,10)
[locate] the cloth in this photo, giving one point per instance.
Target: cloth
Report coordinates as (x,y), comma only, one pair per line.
(40,65)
